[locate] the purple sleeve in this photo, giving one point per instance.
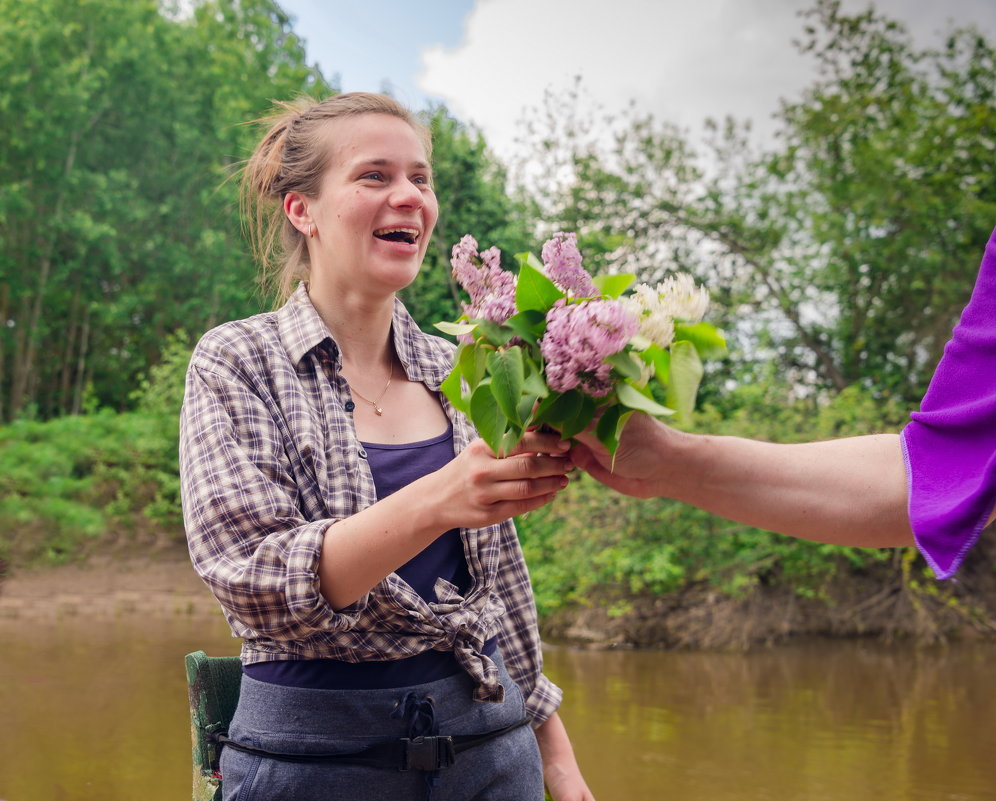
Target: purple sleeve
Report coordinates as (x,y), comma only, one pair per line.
(950,444)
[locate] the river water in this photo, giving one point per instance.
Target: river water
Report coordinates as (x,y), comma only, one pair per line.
(95,710)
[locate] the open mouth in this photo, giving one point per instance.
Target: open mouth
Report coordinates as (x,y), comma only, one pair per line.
(407,235)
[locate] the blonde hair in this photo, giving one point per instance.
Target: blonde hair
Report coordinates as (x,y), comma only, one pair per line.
(293,156)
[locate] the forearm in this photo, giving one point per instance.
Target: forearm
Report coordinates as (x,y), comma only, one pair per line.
(474,490)
(848,491)
(560,767)
(358,552)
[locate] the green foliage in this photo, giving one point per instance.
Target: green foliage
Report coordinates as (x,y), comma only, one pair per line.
(160,391)
(595,541)
(81,479)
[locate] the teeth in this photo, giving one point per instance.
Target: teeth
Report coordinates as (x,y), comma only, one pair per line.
(413,232)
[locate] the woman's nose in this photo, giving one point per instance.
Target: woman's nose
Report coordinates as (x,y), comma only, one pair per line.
(405,194)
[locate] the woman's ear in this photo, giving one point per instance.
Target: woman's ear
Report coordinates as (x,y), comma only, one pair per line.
(296,209)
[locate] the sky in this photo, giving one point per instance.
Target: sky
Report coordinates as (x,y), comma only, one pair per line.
(490,61)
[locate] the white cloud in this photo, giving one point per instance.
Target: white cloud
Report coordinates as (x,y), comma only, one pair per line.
(683,61)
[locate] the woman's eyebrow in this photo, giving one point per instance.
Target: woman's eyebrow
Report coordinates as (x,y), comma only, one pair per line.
(382,162)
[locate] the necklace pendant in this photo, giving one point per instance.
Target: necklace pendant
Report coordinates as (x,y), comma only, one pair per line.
(378,411)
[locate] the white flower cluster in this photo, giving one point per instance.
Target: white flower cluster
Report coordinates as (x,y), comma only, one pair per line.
(676,298)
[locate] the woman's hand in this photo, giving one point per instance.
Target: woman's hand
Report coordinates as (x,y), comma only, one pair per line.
(561,773)
(479,489)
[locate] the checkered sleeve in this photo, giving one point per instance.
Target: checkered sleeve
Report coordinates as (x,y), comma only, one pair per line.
(247,537)
(519,637)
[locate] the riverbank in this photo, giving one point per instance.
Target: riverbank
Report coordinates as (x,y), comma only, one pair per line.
(890,601)
(886,604)
(106,587)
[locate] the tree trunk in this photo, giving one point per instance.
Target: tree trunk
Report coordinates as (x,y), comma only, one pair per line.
(4,310)
(66,373)
(23,377)
(81,362)
(19,376)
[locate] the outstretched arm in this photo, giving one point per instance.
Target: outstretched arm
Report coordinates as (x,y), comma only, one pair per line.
(847,491)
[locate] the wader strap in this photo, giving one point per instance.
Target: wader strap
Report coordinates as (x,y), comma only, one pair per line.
(419,753)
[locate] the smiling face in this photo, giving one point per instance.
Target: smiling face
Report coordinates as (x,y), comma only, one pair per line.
(376,209)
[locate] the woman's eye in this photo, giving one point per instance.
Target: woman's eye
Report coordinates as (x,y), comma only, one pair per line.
(373,176)
(422,179)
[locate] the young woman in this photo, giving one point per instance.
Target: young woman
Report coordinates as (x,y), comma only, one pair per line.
(355,532)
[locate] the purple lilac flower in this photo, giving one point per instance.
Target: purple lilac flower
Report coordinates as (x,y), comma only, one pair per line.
(578,338)
(491,289)
(562,261)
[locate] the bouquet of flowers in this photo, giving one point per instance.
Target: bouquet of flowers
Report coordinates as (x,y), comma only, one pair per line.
(555,347)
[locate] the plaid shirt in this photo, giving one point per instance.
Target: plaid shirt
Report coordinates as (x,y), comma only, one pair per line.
(269,458)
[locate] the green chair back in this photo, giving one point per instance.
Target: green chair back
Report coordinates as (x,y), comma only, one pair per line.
(213,691)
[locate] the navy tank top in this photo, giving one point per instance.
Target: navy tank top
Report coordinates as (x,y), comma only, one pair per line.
(393,467)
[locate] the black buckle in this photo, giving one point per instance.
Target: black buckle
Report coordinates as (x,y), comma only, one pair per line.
(428,753)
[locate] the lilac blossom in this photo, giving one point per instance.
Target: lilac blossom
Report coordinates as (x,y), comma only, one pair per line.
(491,289)
(578,338)
(562,261)
(676,298)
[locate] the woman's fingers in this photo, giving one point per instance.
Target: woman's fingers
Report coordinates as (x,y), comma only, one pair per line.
(495,489)
(531,465)
(506,509)
(541,442)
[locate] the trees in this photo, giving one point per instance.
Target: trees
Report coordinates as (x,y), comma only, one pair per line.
(845,254)
(116,224)
(119,221)
(896,150)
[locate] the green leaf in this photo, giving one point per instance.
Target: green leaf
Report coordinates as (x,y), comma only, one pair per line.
(452,388)
(612,286)
(529,325)
(487,417)
(456,329)
(534,291)
(610,426)
(511,438)
(627,364)
(632,398)
(558,406)
(605,429)
(535,383)
(528,260)
(706,338)
(526,407)
(507,377)
(493,333)
(580,420)
(686,373)
(473,362)
(658,358)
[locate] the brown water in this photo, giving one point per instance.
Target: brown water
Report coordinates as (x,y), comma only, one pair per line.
(95,710)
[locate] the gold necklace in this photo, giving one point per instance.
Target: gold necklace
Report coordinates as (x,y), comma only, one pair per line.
(376,404)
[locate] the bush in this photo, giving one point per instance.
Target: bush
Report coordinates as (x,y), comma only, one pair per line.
(70,482)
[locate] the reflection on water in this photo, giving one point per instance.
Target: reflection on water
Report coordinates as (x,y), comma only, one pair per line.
(97,712)
(827,721)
